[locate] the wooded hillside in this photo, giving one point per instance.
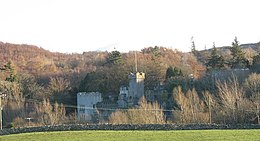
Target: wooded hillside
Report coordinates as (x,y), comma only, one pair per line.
(32,73)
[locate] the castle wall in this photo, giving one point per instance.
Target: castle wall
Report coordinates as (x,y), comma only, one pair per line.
(136,86)
(86,104)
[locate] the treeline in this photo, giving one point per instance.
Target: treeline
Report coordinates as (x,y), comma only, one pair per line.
(37,61)
(236,56)
(33,75)
(232,103)
(227,93)
(153,61)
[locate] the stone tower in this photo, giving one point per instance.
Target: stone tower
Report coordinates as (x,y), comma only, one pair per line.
(136,86)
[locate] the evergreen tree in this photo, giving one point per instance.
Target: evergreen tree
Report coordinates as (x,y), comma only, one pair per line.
(114,58)
(172,72)
(256,63)
(169,72)
(238,60)
(180,73)
(193,47)
(215,61)
(258,47)
(9,70)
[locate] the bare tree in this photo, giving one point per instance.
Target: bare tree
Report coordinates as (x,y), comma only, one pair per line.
(48,114)
(234,103)
(14,101)
(190,108)
(145,113)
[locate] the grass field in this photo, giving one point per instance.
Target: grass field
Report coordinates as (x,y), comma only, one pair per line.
(179,135)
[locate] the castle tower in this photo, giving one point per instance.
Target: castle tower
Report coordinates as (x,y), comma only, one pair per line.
(136,86)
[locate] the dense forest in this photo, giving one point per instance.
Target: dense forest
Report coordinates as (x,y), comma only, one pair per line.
(52,80)
(44,66)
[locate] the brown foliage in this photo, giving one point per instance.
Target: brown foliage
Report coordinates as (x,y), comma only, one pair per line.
(13,102)
(145,113)
(48,114)
(235,107)
(252,86)
(191,108)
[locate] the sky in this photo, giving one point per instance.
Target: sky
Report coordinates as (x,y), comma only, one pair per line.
(75,26)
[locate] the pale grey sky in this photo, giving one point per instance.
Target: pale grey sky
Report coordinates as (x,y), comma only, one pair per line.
(89,25)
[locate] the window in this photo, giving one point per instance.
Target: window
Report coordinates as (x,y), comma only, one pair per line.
(82,108)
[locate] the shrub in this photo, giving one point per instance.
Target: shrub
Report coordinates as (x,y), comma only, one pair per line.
(145,113)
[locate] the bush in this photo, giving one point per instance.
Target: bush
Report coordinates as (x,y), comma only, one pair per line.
(146,113)
(19,122)
(252,87)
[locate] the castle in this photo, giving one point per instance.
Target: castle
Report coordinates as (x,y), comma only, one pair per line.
(88,103)
(129,96)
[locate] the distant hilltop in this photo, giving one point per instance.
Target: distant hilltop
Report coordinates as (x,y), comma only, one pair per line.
(10,47)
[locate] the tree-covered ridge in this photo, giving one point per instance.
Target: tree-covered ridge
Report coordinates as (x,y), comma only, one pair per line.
(32,73)
(244,52)
(36,69)
(36,60)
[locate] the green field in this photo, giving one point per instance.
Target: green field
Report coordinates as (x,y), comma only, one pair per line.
(179,135)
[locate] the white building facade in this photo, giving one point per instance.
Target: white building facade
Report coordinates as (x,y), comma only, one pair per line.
(86,105)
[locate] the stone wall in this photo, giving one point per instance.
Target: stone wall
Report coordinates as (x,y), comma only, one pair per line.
(77,127)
